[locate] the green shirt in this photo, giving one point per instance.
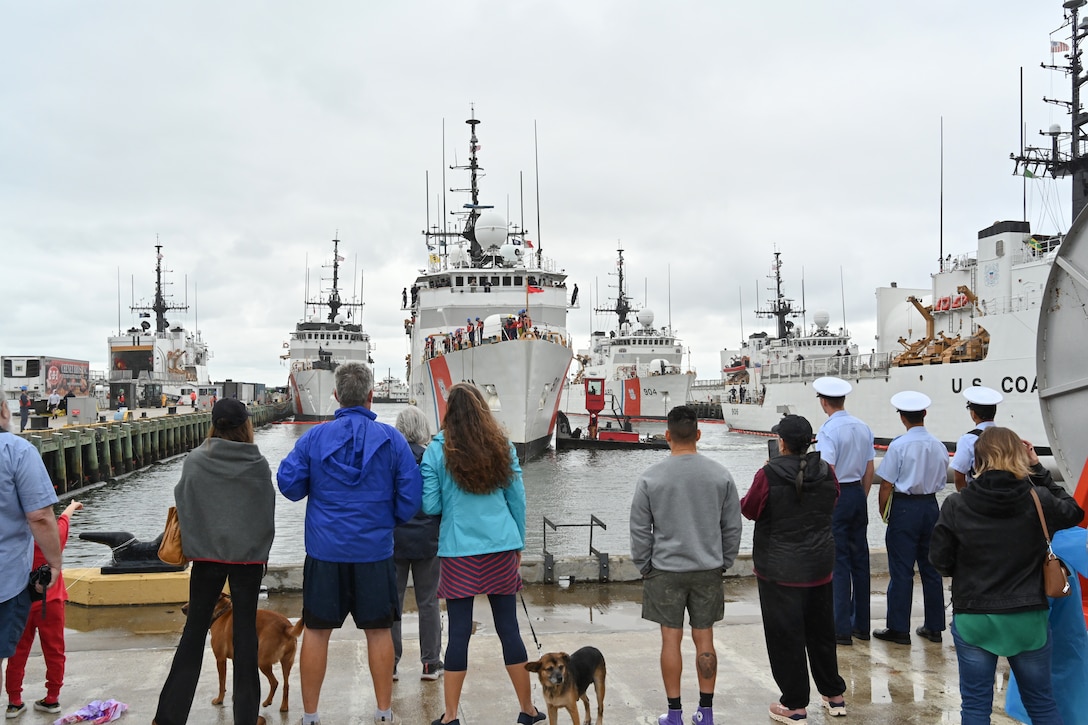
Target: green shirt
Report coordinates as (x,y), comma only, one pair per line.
(1004,635)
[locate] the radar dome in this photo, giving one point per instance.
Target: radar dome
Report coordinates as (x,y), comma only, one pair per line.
(646,318)
(490,230)
(459,257)
(822,318)
(511,254)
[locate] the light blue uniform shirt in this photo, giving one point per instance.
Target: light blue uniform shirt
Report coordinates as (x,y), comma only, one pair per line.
(916,463)
(964,460)
(24,487)
(847,444)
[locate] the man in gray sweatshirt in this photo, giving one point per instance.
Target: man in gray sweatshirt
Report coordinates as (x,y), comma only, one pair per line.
(685,531)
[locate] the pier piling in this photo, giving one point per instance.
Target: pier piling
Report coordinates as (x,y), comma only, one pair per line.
(77,456)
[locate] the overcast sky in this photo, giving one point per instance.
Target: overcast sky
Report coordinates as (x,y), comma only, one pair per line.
(700,135)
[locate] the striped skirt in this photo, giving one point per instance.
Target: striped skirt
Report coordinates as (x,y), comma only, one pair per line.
(467,576)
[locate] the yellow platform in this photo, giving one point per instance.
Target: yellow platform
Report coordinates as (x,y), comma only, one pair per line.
(92,588)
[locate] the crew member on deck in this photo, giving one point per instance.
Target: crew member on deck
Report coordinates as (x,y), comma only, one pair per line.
(982,405)
(913,470)
(846,444)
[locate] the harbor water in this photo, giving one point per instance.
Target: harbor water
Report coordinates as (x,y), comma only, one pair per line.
(567,488)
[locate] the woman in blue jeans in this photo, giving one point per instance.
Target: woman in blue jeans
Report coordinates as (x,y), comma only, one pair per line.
(989,540)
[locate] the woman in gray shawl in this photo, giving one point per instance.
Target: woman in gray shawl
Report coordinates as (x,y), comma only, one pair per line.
(226,507)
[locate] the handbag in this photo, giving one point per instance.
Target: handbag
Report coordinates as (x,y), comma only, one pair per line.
(1055,575)
(170,549)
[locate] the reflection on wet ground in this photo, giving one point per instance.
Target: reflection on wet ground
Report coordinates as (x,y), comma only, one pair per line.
(125,652)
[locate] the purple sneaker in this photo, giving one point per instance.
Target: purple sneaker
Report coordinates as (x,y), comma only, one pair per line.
(703,716)
(672,717)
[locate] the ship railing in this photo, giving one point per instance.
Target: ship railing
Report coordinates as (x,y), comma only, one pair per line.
(437,348)
(1030,300)
(874,364)
(963,261)
(441,263)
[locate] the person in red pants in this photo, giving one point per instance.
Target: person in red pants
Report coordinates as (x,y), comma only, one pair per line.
(47,619)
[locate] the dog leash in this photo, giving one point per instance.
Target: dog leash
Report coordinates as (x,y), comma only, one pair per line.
(530,620)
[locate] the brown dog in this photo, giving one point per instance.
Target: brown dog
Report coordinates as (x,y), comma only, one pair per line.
(565,678)
(276,642)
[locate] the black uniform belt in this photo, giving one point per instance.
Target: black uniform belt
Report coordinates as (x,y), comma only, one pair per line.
(898,494)
(849,483)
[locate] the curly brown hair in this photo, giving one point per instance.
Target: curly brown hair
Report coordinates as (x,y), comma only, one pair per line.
(477,451)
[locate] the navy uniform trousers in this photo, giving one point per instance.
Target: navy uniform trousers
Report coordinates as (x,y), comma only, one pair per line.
(849,525)
(910,528)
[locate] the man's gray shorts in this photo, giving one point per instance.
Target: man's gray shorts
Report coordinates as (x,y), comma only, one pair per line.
(666,595)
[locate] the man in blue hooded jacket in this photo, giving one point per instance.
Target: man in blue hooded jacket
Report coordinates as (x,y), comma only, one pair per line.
(360,480)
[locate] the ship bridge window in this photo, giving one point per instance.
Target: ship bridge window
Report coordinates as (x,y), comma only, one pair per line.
(495,281)
(518,280)
(506,281)
(459,281)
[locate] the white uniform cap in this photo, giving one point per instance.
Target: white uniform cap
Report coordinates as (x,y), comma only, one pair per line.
(910,401)
(832,387)
(980,395)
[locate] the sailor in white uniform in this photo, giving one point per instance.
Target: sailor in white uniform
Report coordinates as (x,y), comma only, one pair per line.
(846,444)
(913,470)
(982,403)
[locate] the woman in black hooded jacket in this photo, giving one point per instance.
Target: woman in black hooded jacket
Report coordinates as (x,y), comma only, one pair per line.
(989,540)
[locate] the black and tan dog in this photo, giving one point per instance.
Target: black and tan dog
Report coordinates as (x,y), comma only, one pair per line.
(565,679)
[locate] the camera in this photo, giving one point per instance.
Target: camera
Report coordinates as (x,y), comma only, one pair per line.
(42,576)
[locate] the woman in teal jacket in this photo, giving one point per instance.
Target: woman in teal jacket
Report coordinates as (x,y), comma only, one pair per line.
(471,477)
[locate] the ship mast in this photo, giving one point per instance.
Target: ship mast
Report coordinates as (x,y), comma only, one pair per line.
(334,296)
(159,307)
(1054,161)
(780,308)
(333,301)
(623,304)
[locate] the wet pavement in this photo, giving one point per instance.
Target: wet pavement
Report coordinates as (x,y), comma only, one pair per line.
(125,652)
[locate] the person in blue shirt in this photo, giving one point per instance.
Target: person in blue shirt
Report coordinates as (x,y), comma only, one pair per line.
(360,480)
(982,403)
(913,470)
(471,477)
(26,517)
(846,444)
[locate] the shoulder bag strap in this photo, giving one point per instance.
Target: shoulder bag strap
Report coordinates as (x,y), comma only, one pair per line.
(1039,509)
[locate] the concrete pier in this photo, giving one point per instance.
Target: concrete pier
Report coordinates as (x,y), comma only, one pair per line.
(125,653)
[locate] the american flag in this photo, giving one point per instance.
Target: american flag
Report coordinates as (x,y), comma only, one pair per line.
(1056,46)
